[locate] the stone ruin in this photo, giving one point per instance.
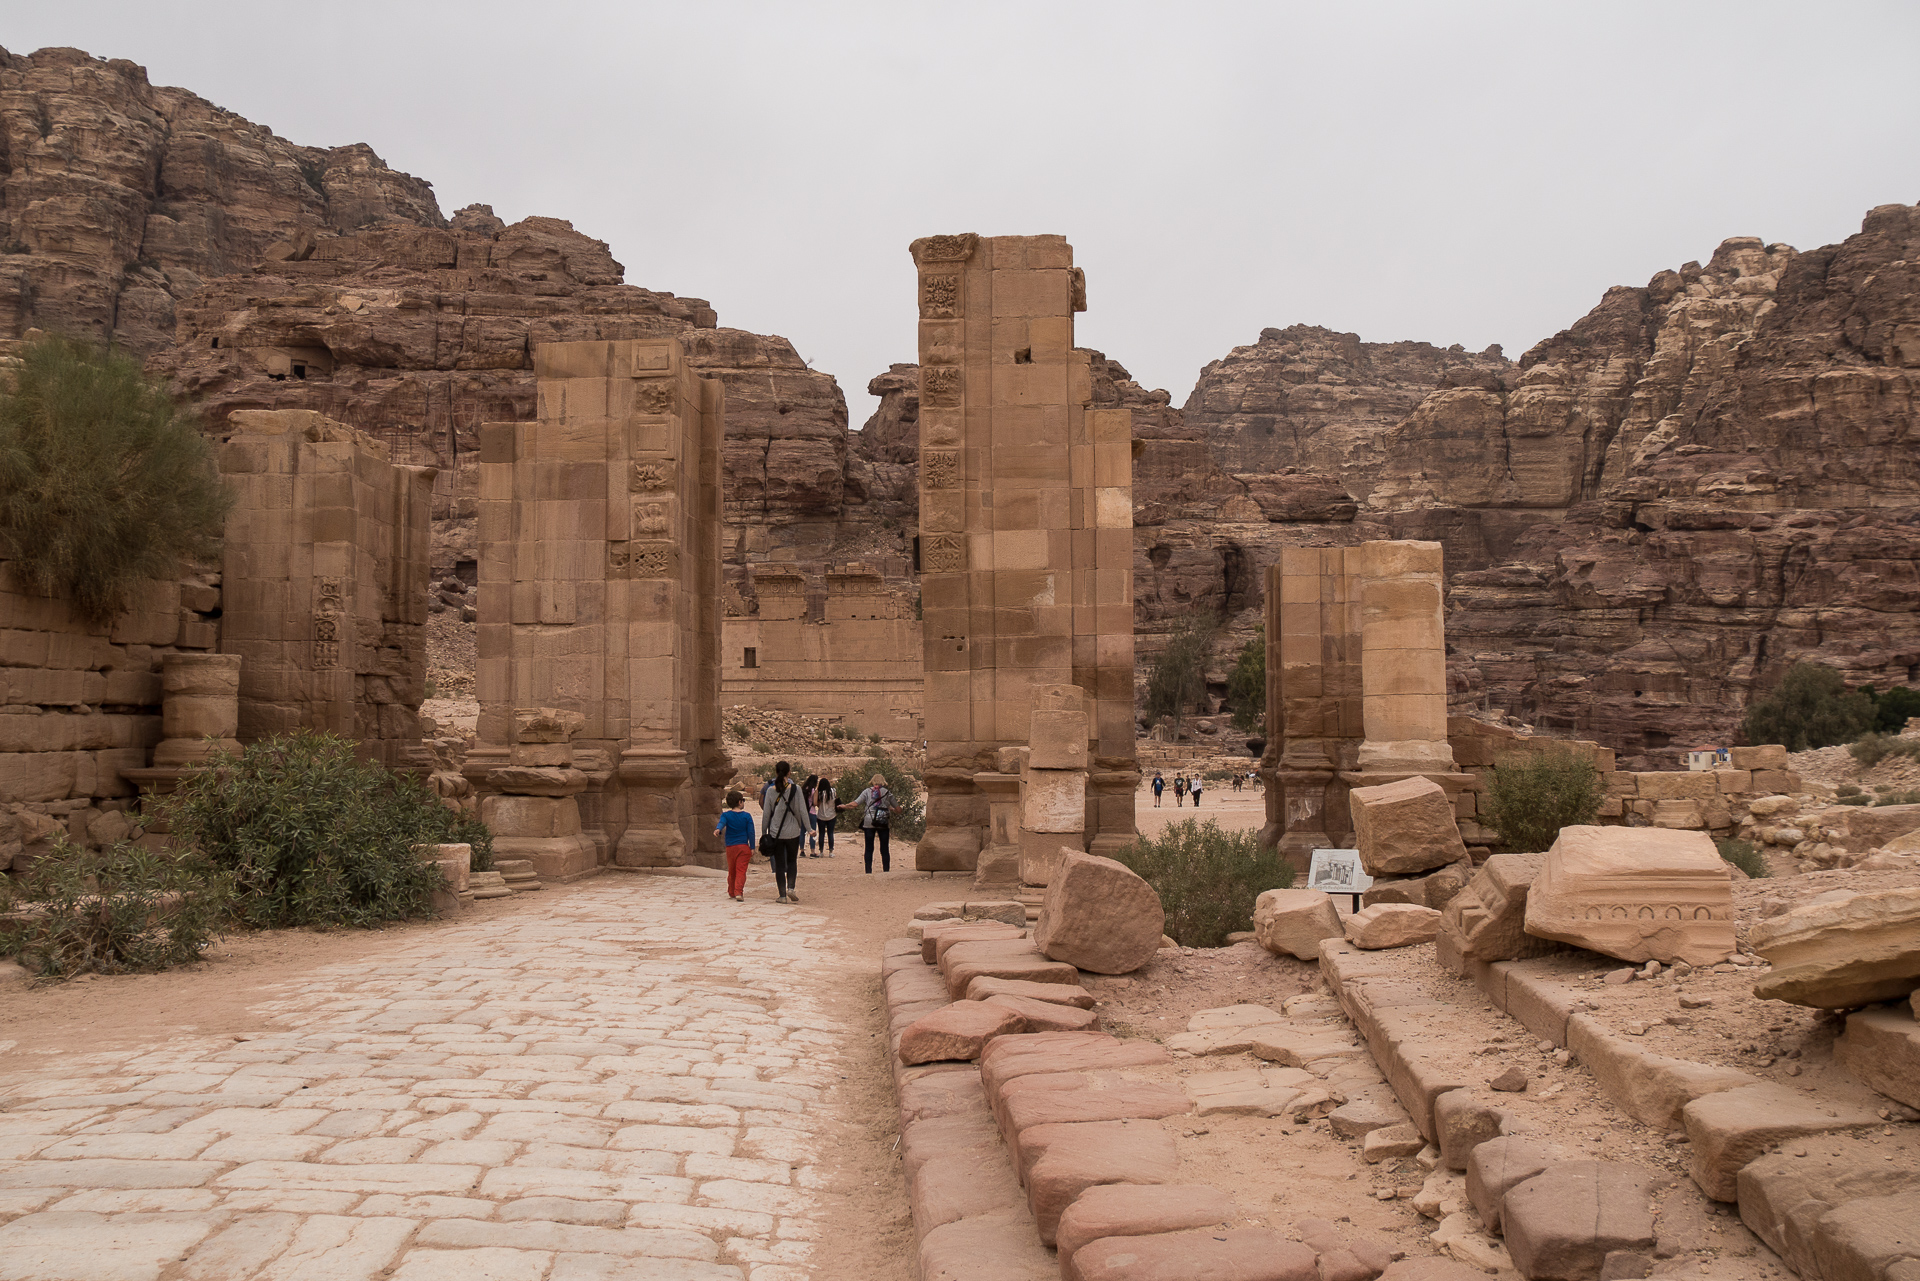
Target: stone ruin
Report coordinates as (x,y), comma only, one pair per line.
(1026,542)
(599,599)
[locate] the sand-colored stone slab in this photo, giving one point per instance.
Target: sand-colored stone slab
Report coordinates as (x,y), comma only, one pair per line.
(1068,1159)
(1044,1016)
(1499,1164)
(1563,1222)
(1732,1127)
(1882,1048)
(957,1031)
(1405,827)
(1126,1210)
(1842,952)
(1292,922)
(1234,1254)
(1099,915)
(1059,993)
(1637,893)
(1387,925)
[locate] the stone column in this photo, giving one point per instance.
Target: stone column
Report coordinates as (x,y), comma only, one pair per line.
(1053,801)
(999,865)
(600,586)
(1403,658)
(199,708)
(1026,519)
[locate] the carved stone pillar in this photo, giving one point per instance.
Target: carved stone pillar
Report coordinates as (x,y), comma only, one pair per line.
(199,708)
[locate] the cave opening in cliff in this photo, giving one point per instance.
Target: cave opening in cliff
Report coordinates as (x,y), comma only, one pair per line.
(1236,575)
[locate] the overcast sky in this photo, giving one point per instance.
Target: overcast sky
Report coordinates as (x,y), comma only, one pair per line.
(1470,172)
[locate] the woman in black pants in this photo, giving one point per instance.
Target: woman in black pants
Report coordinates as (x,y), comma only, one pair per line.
(876,818)
(784,820)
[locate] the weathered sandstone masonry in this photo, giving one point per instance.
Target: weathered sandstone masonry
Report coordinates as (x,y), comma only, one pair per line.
(599,595)
(1026,518)
(1356,684)
(327,552)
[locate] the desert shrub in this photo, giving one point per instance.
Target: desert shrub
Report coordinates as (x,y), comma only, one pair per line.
(1207,879)
(1892,709)
(1847,789)
(1530,798)
(737,730)
(1872,748)
(104,481)
(909,821)
(1247,684)
(1810,707)
(312,835)
(120,910)
(1855,799)
(1897,798)
(759,749)
(1177,681)
(1744,855)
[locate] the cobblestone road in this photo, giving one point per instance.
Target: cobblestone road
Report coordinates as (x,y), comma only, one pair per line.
(627,1080)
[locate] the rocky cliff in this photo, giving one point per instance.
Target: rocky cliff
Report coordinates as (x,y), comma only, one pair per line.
(1647,518)
(118,198)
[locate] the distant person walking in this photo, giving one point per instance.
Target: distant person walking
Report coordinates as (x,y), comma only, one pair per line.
(1195,787)
(876,819)
(736,833)
(826,814)
(1159,786)
(1179,790)
(812,845)
(784,819)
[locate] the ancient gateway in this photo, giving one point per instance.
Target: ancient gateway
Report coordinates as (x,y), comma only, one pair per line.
(1026,545)
(599,613)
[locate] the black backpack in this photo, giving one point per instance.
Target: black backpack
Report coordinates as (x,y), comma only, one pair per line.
(881,811)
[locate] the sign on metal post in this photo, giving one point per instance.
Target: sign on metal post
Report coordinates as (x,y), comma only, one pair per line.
(1338,872)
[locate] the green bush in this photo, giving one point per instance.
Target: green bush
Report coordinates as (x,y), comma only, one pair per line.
(1247,684)
(1897,798)
(909,820)
(1872,748)
(1847,789)
(1892,709)
(1855,799)
(312,835)
(104,481)
(1810,707)
(1745,856)
(1207,879)
(120,910)
(1530,798)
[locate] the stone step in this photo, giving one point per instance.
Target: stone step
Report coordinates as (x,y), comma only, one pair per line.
(508,867)
(486,881)
(501,892)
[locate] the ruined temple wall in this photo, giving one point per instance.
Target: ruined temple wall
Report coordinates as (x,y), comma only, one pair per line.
(865,672)
(324,575)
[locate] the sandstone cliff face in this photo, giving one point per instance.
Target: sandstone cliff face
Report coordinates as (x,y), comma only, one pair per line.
(1647,518)
(118,198)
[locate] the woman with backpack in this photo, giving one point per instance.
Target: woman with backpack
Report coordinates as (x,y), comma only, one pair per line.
(877,806)
(784,823)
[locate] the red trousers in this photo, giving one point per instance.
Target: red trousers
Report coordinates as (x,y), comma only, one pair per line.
(738,856)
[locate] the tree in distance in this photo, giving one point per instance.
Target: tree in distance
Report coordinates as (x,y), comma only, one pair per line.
(104,480)
(1810,707)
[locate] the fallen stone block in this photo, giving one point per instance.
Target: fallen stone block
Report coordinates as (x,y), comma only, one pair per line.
(1291,1048)
(933,937)
(990,1247)
(1460,1236)
(1404,827)
(1637,893)
(1392,925)
(1463,1120)
(957,1031)
(1005,910)
(1498,1165)
(1562,1223)
(1730,1128)
(1370,1109)
(1649,1087)
(1070,1158)
(1236,1254)
(1099,915)
(1044,1016)
(979,940)
(1250,1091)
(1787,1196)
(1027,969)
(1882,1048)
(1432,1269)
(1433,889)
(1875,826)
(1391,1142)
(1292,922)
(1125,1210)
(1842,952)
(1024,1110)
(1487,921)
(1058,993)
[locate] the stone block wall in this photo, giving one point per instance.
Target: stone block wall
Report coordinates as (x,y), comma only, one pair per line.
(325,568)
(81,703)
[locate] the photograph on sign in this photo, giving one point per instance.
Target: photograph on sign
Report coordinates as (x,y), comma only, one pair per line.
(1337,872)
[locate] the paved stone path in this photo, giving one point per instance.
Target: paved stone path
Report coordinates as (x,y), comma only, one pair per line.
(623,1081)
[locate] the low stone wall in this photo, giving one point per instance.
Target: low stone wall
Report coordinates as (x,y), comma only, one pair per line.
(81,703)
